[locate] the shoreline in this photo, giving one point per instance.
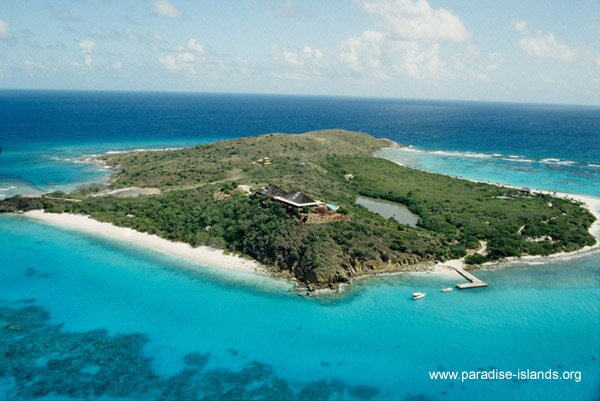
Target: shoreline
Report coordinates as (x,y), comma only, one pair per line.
(202,256)
(209,257)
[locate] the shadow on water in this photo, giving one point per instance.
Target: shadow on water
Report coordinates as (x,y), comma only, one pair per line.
(40,360)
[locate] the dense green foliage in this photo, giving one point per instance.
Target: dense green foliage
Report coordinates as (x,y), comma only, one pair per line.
(199,206)
(475,259)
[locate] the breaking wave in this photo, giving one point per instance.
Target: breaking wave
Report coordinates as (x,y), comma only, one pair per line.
(497,156)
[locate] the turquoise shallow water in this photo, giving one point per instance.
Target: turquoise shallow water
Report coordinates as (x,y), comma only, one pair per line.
(549,174)
(542,317)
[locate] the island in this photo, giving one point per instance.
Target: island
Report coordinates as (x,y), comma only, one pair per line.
(319,208)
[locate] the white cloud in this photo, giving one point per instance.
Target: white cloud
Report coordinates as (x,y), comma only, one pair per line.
(194,46)
(407,42)
(185,59)
(375,54)
(5,33)
(596,80)
(180,62)
(87,47)
(546,80)
(307,56)
(194,60)
(520,25)
(363,52)
(417,20)
(164,8)
(304,64)
(548,47)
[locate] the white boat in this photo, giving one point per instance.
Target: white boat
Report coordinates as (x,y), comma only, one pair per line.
(418,295)
(447,289)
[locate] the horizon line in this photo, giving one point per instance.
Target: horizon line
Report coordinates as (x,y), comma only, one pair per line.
(365,97)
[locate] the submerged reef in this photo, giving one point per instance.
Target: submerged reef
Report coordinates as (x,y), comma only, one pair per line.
(40,360)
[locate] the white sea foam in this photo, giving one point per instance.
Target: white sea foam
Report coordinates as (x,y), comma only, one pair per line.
(409,149)
(557,161)
(518,160)
(498,156)
(7,189)
(116,152)
(471,155)
(474,155)
(462,154)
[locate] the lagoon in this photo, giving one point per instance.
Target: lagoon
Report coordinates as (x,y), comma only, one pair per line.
(389,210)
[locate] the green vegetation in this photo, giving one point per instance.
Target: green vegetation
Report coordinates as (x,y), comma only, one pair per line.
(475,259)
(466,212)
(199,204)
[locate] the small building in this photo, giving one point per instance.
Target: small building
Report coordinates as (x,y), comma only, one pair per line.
(525,191)
(265,161)
(297,199)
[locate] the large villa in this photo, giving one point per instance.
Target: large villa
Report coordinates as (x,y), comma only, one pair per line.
(294,198)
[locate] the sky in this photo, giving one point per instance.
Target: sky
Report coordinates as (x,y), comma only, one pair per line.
(510,50)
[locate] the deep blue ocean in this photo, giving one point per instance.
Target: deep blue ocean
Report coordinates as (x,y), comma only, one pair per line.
(85,317)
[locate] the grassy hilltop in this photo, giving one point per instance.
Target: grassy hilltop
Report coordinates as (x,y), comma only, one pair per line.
(199,204)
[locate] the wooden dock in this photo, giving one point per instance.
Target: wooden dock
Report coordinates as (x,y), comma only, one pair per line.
(474,282)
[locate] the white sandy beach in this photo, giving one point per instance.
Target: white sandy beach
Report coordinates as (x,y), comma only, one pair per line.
(203,255)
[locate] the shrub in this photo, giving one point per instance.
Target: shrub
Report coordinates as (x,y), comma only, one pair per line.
(475,259)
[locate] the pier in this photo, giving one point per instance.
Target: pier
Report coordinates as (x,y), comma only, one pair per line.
(474,282)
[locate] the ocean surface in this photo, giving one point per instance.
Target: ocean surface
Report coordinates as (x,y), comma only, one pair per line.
(86,317)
